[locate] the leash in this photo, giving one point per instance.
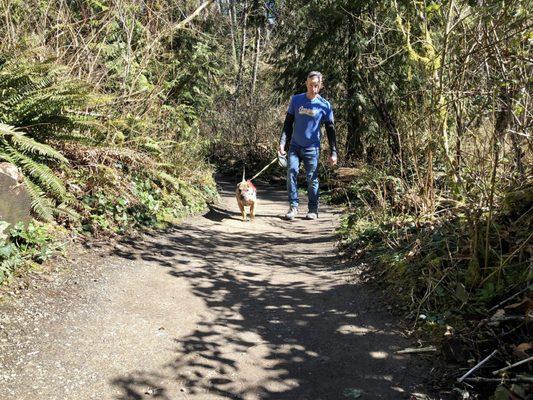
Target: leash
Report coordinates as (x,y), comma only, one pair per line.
(263,170)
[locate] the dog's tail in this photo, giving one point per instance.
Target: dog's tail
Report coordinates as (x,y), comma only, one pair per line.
(243,172)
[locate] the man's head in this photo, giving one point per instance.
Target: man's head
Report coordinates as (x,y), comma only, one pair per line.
(313,83)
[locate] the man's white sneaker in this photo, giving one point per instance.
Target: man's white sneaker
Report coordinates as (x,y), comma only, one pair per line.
(293,212)
(311,215)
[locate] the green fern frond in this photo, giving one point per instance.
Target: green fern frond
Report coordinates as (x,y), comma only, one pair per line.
(38,171)
(86,124)
(151,147)
(29,145)
(173,181)
(37,96)
(64,209)
(125,154)
(40,205)
(4,156)
(75,137)
(166,166)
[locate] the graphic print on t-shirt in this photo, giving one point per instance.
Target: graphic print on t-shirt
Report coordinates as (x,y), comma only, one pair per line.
(307,111)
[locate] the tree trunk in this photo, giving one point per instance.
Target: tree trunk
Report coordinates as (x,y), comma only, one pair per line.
(256,60)
(233,27)
(460,130)
(354,144)
(243,46)
(383,112)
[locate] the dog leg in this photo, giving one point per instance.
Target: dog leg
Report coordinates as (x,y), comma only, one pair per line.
(243,212)
(252,211)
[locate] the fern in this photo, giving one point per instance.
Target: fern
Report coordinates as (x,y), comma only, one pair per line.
(40,108)
(39,172)
(29,145)
(165,177)
(38,97)
(41,205)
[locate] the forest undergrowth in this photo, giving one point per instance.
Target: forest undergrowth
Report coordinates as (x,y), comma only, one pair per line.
(431,267)
(100,111)
(118,113)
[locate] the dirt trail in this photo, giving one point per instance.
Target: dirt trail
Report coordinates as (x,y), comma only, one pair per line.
(213,309)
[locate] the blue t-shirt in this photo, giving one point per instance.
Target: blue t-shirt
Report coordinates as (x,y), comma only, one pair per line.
(308,116)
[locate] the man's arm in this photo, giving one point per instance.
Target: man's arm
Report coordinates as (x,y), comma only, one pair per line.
(332,138)
(286,133)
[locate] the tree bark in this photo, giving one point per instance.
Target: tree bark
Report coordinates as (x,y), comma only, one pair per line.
(256,60)
(233,27)
(354,144)
(194,14)
(240,72)
(388,121)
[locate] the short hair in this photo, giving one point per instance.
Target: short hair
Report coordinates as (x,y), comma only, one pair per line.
(315,73)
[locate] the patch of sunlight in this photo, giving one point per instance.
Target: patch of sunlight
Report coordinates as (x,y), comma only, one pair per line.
(353,330)
(250,337)
(419,396)
(277,386)
(387,378)
(379,355)
(291,384)
(298,347)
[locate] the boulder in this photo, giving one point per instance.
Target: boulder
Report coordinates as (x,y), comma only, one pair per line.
(15,201)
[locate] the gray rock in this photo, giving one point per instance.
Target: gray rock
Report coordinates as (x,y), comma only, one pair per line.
(15,201)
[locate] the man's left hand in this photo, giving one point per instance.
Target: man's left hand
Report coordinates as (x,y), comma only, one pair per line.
(332,160)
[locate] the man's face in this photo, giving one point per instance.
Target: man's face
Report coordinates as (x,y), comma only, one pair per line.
(313,85)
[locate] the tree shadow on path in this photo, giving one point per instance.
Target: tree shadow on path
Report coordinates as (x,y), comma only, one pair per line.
(281,324)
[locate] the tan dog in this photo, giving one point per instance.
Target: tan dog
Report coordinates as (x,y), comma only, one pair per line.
(246,194)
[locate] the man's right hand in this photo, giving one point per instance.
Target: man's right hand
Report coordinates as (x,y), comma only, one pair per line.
(281,150)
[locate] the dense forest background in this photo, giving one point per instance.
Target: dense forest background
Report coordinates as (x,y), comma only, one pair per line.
(118,113)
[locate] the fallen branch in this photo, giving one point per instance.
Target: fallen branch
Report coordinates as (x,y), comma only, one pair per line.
(504,318)
(409,350)
(513,365)
(518,379)
(477,366)
(510,298)
(194,14)
(492,321)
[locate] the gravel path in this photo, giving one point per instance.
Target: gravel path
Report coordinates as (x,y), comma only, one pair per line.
(212,309)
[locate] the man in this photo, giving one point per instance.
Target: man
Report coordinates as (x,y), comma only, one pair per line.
(301,137)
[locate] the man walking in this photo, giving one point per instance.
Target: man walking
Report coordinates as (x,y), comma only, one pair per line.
(301,138)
